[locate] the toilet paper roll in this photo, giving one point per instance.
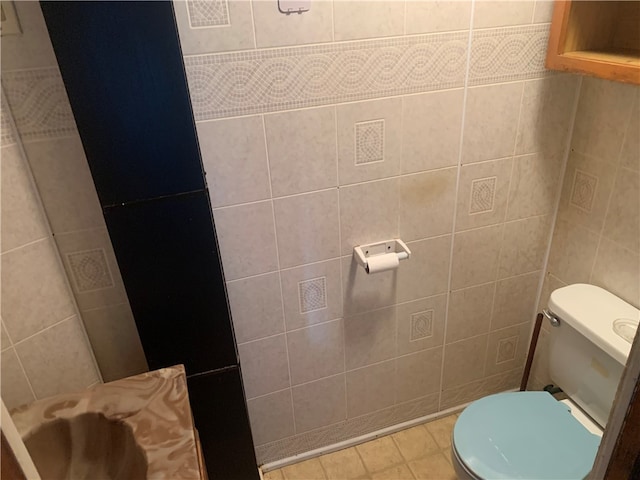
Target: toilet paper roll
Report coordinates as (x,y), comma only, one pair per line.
(382,263)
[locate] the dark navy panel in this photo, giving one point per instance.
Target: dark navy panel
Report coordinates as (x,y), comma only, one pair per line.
(122,65)
(167,253)
(220,415)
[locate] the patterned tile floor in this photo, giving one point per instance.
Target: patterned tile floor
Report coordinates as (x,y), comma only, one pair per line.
(418,453)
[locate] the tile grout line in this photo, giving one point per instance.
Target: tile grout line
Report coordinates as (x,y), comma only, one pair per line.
(558,193)
(344,328)
(455,201)
(275,234)
(22,369)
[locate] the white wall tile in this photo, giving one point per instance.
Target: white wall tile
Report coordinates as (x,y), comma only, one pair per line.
(475,256)
(374,19)
(58,360)
(316,352)
(5,341)
(426,272)
(507,348)
(65,184)
(235,160)
(573,251)
(370,388)
(246,235)
(586,190)
(524,246)
(616,269)
(418,374)
(431,129)
(319,403)
(368,213)
(115,342)
(603,106)
(491,122)
(236,35)
(464,361)
(425,16)
(256,306)
(369,140)
(271,417)
(312,293)
(515,301)
(469,312)
(274,28)
(363,292)
(36,275)
(534,185)
(265,368)
(630,153)
(15,386)
(543,11)
(33,48)
(426,204)
(92,268)
(23,220)
(420,324)
(498,14)
(547,106)
(307,227)
(302,150)
(482,194)
(370,337)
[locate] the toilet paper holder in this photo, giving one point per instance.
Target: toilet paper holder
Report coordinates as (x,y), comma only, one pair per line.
(362,253)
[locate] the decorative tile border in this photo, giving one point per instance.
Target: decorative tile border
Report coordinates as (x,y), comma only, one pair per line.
(508,54)
(7,135)
(244,83)
(208,13)
(39,103)
(351,428)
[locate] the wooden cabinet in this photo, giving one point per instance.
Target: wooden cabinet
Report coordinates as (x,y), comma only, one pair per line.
(598,38)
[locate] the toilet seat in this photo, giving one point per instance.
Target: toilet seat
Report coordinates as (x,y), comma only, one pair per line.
(523,435)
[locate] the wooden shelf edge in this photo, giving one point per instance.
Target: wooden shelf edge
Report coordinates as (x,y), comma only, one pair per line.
(595,68)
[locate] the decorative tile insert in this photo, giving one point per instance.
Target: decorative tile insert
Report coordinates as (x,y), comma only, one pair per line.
(369,138)
(507,349)
(208,13)
(507,54)
(483,192)
(421,325)
(312,294)
(90,270)
(583,191)
(249,82)
(347,429)
(39,103)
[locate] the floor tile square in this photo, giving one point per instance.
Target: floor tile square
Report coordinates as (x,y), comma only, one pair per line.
(415,442)
(442,430)
(307,470)
(343,465)
(379,454)
(434,467)
(399,472)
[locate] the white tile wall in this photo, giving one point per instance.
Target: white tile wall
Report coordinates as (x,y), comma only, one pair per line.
(397,124)
(46,132)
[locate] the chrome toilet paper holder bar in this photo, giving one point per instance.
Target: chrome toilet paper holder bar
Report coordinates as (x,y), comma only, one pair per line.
(362,252)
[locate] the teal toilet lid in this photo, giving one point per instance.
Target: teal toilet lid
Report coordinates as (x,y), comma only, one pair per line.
(523,435)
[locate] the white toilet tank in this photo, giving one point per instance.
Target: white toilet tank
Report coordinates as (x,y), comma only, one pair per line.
(589,348)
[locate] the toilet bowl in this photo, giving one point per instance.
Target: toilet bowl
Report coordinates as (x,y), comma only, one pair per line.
(523,435)
(531,435)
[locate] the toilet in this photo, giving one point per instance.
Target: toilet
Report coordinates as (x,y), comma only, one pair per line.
(531,435)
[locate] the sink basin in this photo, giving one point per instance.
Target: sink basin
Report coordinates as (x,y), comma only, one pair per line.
(86,447)
(626,328)
(130,429)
